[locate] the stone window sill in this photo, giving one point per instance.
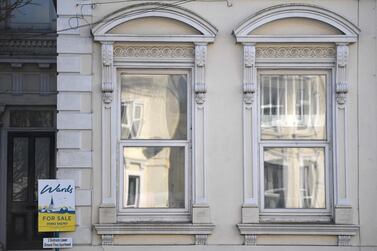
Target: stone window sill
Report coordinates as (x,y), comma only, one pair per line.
(343,232)
(201,231)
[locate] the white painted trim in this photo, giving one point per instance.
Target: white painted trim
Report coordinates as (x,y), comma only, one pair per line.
(278,12)
(298,229)
(154,229)
(208,31)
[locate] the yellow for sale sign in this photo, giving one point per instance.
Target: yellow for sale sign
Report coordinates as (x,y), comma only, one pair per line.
(56,206)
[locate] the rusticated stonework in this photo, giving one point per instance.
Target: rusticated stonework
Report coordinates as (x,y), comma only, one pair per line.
(296,52)
(175,52)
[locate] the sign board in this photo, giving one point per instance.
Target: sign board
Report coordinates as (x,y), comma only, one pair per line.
(57,242)
(56,206)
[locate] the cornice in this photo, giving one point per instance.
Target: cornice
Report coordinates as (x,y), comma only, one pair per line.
(298,229)
(156,228)
(27,44)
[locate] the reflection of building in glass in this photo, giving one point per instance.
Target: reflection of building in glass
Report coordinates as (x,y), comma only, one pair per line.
(293,106)
(294,178)
(154,177)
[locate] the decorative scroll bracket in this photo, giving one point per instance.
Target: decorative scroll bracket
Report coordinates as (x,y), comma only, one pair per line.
(200,63)
(341,74)
(107,63)
(249,86)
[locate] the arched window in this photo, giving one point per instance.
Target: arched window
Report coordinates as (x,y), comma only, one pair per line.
(153,86)
(295,87)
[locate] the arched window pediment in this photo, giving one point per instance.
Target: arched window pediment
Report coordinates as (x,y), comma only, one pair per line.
(194,27)
(342,30)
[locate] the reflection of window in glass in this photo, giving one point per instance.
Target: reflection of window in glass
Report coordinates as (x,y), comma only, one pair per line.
(162,176)
(293,106)
(293,138)
(133,191)
(155,140)
(131,113)
(308,183)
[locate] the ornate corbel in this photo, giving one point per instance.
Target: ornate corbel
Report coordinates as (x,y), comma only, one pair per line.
(249,85)
(107,63)
(344,240)
(250,239)
(201,239)
(200,62)
(107,239)
(341,74)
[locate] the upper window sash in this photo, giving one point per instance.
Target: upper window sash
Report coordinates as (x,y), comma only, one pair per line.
(293,106)
(170,94)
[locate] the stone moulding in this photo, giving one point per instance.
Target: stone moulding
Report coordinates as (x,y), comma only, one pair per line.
(154,52)
(148,228)
(28,46)
(207,30)
(349,31)
(343,232)
(200,231)
(296,52)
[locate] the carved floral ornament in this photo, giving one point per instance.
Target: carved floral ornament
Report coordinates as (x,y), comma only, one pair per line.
(173,52)
(341,76)
(107,63)
(296,52)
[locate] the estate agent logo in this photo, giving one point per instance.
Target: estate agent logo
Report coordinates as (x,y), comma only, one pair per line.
(56,206)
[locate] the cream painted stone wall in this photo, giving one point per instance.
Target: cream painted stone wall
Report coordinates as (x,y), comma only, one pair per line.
(74,119)
(79,77)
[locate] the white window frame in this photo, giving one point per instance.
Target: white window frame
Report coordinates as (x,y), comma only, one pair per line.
(127,214)
(299,214)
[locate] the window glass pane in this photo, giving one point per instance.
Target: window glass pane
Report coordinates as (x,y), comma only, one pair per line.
(294,178)
(19,118)
(154,106)
(42,161)
(293,107)
(154,177)
(20,168)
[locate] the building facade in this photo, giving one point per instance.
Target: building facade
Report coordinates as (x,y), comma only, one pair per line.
(218,125)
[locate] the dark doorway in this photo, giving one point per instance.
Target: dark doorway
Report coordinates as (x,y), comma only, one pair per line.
(31,156)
